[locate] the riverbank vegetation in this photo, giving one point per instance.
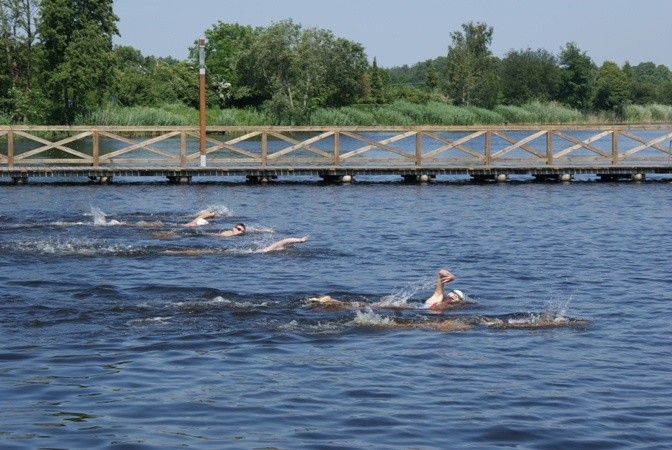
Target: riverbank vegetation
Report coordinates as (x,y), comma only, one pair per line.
(59,66)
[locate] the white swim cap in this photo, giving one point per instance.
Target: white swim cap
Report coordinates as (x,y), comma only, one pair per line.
(459,293)
(201,221)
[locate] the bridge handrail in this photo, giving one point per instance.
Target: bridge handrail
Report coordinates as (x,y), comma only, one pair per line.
(335,147)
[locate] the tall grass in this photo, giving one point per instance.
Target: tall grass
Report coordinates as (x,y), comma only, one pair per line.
(398,113)
(237,117)
(516,114)
(554,113)
(169,115)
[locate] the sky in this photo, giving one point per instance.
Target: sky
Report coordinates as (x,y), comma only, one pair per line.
(399,33)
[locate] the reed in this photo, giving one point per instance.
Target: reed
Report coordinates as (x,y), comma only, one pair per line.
(486,116)
(516,114)
(345,116)
(400,113)
(386,116)
(139,116)
(237,117)
(554,113)
(661,113)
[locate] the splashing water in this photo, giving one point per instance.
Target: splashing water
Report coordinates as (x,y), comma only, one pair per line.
(218,210)
(401,297)
(99,217)
(557,308)
(369,318)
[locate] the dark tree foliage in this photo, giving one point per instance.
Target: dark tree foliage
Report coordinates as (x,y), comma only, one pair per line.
(612,88)
(151,81)
(576,77)
(18,56)
(471,67)
(528,75)
(76,38)
(293,71)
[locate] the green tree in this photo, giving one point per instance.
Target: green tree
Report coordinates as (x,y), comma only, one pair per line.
(294,71)
(576,77)
(347,63)
(224,44)
(151,81)
(471,67)
(612,89)
(432,77)
(379,82)
(651,83)
(18,57)
(528,75)
(76,37)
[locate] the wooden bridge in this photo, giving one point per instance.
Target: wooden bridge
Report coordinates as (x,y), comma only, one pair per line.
(335,153)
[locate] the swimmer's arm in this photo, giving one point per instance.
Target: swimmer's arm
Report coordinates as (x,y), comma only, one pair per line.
(284,242)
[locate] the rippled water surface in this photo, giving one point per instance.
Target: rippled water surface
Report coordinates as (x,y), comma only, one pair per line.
(123,329)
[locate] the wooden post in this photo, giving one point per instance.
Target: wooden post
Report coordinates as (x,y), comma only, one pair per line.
(183,148)
(549,148)
(614,147)
(10,148)
(201,95)
(337,148)
(264,148)
(488,147)
(418,148)
(96,149)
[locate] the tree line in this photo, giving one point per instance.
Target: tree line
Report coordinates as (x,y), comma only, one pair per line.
(58,63)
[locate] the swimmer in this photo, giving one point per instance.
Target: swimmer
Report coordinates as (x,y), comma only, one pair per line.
(201,219)
(282,243)
(237,230)
(531,321)
(438,300)
(279,245)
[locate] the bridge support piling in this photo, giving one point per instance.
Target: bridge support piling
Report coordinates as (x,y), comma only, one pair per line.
(423,178)
(614,176)
(180,179)
(105,179)
(553,177)
(19,181)
(335,178)
(260,179)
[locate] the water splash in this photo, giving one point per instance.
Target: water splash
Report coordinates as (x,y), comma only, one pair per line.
(370,318)
(400,297)
(218,210)
(100,219)
(72,247)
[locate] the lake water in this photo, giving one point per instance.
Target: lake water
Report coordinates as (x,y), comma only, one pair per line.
(114,337)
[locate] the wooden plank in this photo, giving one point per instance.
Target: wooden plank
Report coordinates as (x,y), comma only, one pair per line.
(144,145)
(381,144)
(51,145)
(582,144)
(647,144)
(518,144)
(458,144)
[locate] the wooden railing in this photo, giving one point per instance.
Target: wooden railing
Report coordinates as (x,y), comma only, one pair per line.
(337,147)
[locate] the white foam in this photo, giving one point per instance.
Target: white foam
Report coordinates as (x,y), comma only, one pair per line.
(369,318)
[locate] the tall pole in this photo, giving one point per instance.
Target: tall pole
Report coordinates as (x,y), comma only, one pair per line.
(201,97)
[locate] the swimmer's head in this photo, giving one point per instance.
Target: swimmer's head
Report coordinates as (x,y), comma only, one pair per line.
(239,228)
(457,295)
(200,222)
